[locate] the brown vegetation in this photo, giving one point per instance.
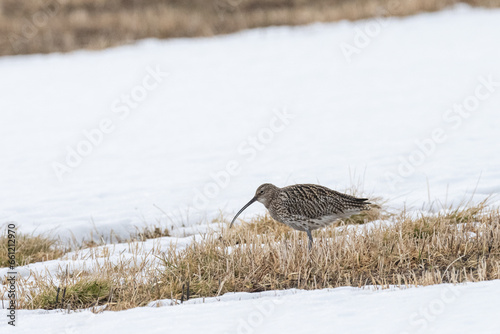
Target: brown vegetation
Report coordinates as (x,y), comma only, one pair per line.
(461,246)
(30,248)
(43,26)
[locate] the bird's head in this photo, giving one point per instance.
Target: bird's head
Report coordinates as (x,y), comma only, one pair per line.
(264,194)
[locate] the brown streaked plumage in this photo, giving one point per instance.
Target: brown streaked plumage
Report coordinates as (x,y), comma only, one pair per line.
(306,207)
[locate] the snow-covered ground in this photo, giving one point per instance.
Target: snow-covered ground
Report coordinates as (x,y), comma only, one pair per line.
(281,105)
(179,131)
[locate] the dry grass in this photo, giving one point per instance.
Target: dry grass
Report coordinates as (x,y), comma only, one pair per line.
(428,250)
(460,246)
(31,248)
(43,26)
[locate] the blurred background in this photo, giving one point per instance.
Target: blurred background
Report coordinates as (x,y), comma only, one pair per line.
(66,25)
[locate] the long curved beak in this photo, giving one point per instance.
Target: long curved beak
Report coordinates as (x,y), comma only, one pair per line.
(242,209)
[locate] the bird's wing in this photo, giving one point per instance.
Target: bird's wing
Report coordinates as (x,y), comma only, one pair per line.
(312,201)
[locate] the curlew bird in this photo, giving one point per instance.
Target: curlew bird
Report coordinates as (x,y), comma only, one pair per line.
(306,207)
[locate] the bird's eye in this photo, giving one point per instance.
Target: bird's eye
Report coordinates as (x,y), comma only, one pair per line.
(262,191)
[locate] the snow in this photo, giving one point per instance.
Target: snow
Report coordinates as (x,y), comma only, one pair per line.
(469,308)
(179,132)
(317,117)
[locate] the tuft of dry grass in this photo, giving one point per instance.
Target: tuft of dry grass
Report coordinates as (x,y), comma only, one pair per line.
(149,232)
(31,248)
(458,246)
(43,26)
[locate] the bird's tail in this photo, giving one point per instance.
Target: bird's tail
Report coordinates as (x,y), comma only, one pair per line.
(371,206)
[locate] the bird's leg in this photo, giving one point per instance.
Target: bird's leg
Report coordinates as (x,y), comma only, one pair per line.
(310,238)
